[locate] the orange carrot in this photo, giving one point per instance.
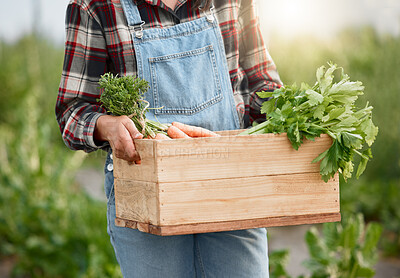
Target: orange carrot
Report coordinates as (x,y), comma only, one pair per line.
(176,133)
(162,136)
(135,162)
(194,131)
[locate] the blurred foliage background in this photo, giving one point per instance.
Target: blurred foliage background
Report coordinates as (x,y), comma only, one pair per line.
(375,60)
(50,227)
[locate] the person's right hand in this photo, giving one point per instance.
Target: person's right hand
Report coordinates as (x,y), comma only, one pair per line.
(119,132)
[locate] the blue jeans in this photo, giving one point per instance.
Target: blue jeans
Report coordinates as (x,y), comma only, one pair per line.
(232,254)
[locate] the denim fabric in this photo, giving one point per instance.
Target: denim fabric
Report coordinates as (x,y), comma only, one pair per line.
(189,82)
(233,254)
(187,70)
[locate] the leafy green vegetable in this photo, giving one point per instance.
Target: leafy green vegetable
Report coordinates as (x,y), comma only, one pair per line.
(124,96)
(328,107)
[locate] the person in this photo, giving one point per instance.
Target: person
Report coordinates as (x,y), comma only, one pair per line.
(204,61)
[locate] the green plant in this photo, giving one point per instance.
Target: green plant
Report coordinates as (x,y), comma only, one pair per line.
(344,250)
(341,250)
(47,223)
(367,56)
(278,261)
(373,59)
(328,107)
(378,201)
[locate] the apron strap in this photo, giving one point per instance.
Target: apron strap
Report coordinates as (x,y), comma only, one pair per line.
(131,13)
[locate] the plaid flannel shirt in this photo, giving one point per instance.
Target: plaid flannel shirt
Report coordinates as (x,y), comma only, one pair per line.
(98,41)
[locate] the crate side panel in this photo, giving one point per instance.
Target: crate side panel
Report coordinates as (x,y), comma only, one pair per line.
(247,198)
(236,156)
(146,171)
(137,201)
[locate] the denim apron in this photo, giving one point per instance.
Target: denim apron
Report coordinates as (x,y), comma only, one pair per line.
(187,71)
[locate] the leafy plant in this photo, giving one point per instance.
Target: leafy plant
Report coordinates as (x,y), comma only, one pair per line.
(328,107)
(278,260)
(344,250)
(46,221)
(371,57)
(377,201)
(48,225)
(367,55)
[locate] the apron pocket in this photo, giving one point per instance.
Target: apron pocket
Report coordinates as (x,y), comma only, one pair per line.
(185,83)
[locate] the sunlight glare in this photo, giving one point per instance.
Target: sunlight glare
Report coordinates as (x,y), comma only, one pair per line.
(324,18)
(291,17)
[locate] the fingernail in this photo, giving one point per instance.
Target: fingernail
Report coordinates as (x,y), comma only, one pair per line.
(138,136)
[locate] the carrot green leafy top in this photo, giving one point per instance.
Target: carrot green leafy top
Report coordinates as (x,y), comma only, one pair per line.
(124,95)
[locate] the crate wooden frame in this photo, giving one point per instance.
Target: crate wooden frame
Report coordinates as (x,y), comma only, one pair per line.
(231,182)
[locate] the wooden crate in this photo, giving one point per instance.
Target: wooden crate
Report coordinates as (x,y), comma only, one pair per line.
(225,183)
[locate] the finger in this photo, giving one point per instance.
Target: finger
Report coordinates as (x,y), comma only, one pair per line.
(124,147)
(130,152)
(130,126)
(128,155)
(122,151)
(130,133)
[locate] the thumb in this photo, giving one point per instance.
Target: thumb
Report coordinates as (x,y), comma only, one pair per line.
(133,131)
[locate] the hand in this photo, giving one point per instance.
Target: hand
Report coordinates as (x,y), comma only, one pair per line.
(119,132)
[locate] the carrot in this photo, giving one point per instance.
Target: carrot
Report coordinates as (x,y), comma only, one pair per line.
(135,162)
(176,133)
(162,136)
(194,131)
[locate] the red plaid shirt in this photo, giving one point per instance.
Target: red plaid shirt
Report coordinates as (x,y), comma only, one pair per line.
(98,41)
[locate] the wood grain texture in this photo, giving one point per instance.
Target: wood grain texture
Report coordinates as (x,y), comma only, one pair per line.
(224,183)
(226,157)
(230,132)
(247,198)
(230,225)
(146,171)
(137,200)
(221,157)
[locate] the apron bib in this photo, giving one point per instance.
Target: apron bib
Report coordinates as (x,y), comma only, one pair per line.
(187,71)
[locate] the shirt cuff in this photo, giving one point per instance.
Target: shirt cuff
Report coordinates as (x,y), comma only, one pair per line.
(90,143)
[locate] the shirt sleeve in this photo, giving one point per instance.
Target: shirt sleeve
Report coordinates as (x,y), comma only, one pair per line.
(254,58)
(77,107)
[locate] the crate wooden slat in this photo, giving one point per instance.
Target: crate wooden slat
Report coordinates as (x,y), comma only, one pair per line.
(229,225)
(230,182)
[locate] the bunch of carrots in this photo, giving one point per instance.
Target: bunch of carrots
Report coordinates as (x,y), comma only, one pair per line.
(124,96)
